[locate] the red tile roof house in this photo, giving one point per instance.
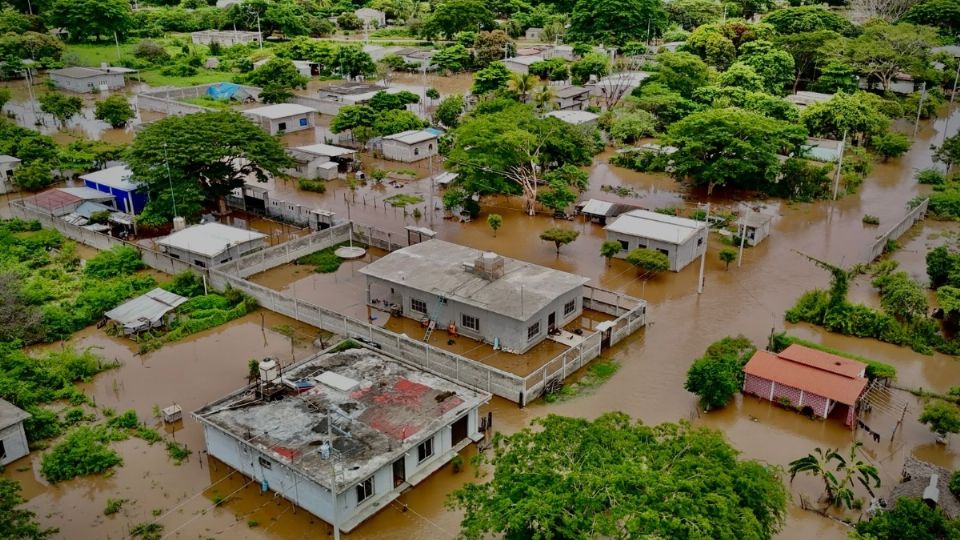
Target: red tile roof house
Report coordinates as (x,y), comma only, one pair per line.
(807,378)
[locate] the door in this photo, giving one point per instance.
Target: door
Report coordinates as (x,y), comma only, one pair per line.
(458,430)
(399,471)
(552,322)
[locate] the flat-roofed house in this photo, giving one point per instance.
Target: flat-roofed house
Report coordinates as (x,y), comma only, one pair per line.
(117,181)
(85,80)
(409,146)
(755,226)
(342,434)
(682,240)
(8,164)
(320,161)
(227,38)
(282,117)
(488,297)
(807,378)
(334,96)
(575,117)
(211,244)
(13,438)
(521,64)
(575,98)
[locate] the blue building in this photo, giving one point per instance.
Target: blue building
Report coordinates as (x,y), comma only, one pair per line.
(117,182)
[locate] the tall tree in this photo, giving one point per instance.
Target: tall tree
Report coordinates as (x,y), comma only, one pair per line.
(278,73)
(492,46)
(352,61)
(806,49)
(885,50)
(522,84)
(91,18)
(718,375)
(559,236)
(609,249)
(611,478)
(858,115)
(209,153)
(491,78)
(942,417)
(452,16)
(909,518)
(797,19)
(449,110)
(839,473)
(615,22)
(60,106)
(682,72)
(15,522)
(115,110)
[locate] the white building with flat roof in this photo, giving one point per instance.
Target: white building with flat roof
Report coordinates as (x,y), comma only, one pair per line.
(211,244)
(85,80)
(682,240)
(575,117)
(342,434)
(282,117)
(521,64)
(320,161)
(410,146)
(8,164)
(13,438)
(227,38)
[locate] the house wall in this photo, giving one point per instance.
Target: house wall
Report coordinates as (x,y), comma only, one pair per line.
(680,255)
(123,199)
(113,81)
(578,103)
(313,496)
(516,67)
(6,177)
(759,233)
(512,333)
(408,153)
(14,440)
(772,391)
(234,252)
(289,124)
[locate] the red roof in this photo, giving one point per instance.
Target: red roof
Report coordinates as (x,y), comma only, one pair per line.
(54,199)
(806,376)
(823,360)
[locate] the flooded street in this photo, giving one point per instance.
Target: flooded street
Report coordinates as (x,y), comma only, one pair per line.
(749,300)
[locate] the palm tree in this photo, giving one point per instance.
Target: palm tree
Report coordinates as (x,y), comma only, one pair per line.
(522,84)
(854,467)
(818,464)
(543,96)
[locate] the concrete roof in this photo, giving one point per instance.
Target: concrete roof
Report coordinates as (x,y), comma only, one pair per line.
(390,409)
(10,414)
(8,159)
(827,150)
(352,88)
(209,239)
(280,110)
(327,150)
(115,177)
(441,268)
(571,91)
(573,117)
(754,219)
(149,307)
(412,136)
(656,226)
(525,60)
(77,72)
(809,376)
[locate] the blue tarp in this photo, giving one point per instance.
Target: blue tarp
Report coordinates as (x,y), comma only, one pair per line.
(223,91)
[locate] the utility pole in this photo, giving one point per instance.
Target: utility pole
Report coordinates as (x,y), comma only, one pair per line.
(956,78)
(923,95)
(836,176)
(703,257)
(166,162)
(432,183)
(743,237)
(116,41)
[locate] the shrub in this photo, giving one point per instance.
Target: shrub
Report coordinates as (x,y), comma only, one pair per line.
(117,261)
(316,186)
(178,452)
(871,219)
(955,483)
(81,453)
(113,506)
(151,51)
(930,176)
(127,420)
(648,260)
(186,283)
(147,531)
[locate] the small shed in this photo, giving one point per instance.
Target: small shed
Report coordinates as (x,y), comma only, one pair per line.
(117,181)
(319,220)
(445,178)
(145,312)
(13,438)
(282,118)
(575,118)
(824,150)
(533,33)
(370,17)
(86,80)
(682,240)
(598,211)
(410,146)
(62,201)
(8,164)
(320,160)
(571,98)
(212,244)
(755,226)
(521,64)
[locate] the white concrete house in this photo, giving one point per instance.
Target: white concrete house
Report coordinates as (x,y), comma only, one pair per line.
(282,117)
(682,240)
(86,80)
(373,18)
(521,64)
(410,146)
(533,33)
(211,244)
(8,164)
(575,117)
(319,160)
(227,38)
(342,434)
(754,226)
(13,439)
(511,304)
(574,97)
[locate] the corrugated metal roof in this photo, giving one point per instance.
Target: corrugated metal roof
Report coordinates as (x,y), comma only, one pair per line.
(115,177)
(148,308)
(209,239)
(596,207)
(412,136)
(656,226)
(10,414)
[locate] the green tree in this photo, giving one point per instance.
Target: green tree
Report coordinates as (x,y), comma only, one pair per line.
(943,14)
(800,19)
(60,106)
(433,93)
(352,61)
(890,144)
(774,65)
(731,147)
(115,110)
(349,21)
(909,518)
(17,523)
(884,50)
(949,151)
(492,46)
(650,261)
(616,21)
(940,262)
(574,478)
(491,78)
(358,119)
(667,105)
(494,221)
(559,236)
(91,18)
(453,58)
(690,14)
(836,77)
(740,75)
(943,417)
(630,127)
(275,93)
(396,121)
(452,16)
(821,463)
(727,256)
(276,72)
(592,64)
(718,375)
(34,176)
(384,101)
(449,110)
(207,154)
(682,72)
(857,115)
(609,249)
(5,96)
(806,49)
(522,84)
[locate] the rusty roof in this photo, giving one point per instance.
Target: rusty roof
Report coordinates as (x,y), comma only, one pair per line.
(829,384)
(823,360)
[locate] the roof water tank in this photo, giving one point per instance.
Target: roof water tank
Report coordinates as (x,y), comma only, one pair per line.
(269,371)
(179,223)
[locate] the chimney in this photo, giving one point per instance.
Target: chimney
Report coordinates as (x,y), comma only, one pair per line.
(489,266)
(931,493)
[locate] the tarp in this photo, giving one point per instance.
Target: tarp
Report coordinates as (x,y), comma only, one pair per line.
(223,91)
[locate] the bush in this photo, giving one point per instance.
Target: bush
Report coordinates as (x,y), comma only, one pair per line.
(718,375)
(648,260)
(186,283)
(147,531)
(325,260)
(930,176)
(81,453)
(113,506)
(955,483)
(316,186)
(127,420)
(641,160)
(871,219)
(117,261)
(178,452)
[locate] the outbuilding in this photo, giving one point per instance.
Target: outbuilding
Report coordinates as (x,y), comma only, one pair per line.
(282,117)
(226,38)
(212,244)
(754,226)
(8,164)
(575,98)
(598,211)
(533,33)
(373,18)
(342,434)
(805,378)
(13,438)
(511,304)
(117,181)
(410,146)
(521,64)
(618,84)
(85,80)
(575,117)
(62,201)
(145,312)
(320,161)
(682,240)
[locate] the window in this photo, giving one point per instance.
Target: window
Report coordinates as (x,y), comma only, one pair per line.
(430,146)
(418,305)
(472,323)
(700,241)
(199,263)
(303,121)
(624,245)
(364,490)
(265,463)
(569,307)
(282,126)
(416,151)
(425,450)
(533,330)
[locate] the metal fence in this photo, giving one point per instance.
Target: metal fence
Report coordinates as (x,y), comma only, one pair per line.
(913,216)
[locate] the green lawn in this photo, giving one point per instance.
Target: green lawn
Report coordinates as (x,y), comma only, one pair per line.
(153,77)
(93,54)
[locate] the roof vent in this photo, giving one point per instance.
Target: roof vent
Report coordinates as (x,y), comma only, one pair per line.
(931,493)
(489,266)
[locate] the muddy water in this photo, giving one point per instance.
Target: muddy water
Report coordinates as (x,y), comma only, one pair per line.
(748,300)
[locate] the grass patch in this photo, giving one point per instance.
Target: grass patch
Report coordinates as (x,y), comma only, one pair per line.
(401,200)
(198,314)
(178,452)
(316,186)
(154,77)
(81,453)
(147,531)
(113,506)
(152,436)
(345,345)
(325,260)
(597,373)
(204,101)
(93,54)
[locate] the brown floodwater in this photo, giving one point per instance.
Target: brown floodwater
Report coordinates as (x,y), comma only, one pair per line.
(747,300)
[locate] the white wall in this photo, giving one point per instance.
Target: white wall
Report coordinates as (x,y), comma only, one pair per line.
(14,443)
(680,255)
(408,153)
